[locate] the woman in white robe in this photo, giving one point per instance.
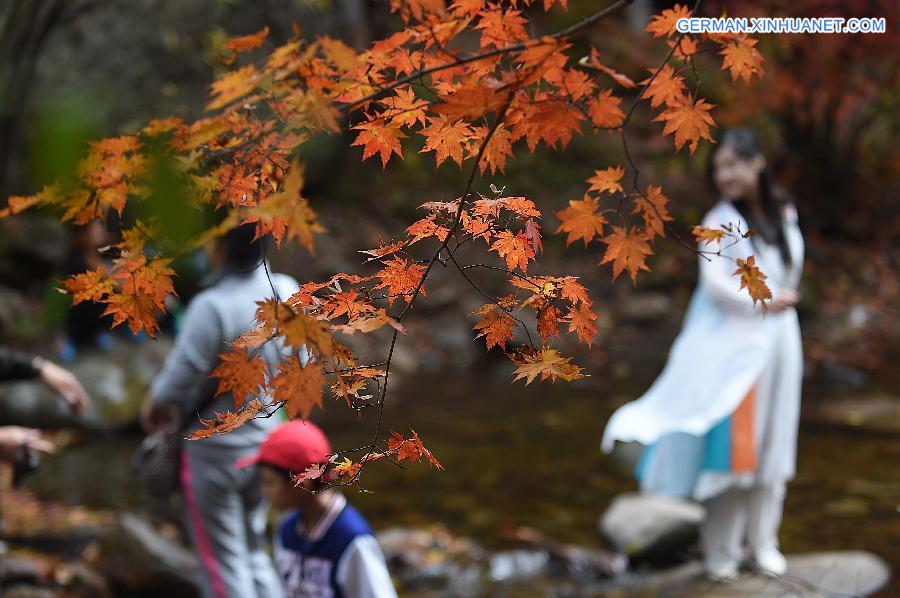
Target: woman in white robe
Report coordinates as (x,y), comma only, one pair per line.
(720,423)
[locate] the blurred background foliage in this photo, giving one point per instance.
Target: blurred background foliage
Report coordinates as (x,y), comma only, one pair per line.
(73,70)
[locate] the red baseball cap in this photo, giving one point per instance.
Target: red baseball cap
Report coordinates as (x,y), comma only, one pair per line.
(294,446)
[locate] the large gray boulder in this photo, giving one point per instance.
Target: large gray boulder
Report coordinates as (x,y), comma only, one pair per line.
(651,528)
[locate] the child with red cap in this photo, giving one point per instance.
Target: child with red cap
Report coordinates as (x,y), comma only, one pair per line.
(324,548)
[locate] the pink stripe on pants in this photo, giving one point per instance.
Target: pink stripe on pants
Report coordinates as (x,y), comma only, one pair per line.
(201,541)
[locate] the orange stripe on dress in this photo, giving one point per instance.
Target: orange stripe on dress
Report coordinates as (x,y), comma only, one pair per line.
(743,451)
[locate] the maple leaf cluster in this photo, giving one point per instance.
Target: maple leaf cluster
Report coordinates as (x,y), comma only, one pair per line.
(441,78)
(466,82)
(627,246)
(686,115)
(343,471)
(751,277)
(311,323)
(134,289)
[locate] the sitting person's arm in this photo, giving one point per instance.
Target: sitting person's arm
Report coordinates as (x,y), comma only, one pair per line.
(362,572)
(18,366)
(12,437)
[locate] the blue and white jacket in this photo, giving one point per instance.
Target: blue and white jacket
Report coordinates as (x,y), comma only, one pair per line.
(338,558)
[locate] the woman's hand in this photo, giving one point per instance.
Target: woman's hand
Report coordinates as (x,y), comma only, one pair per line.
(154,417)
(784,300)
(65,383)
(12,437)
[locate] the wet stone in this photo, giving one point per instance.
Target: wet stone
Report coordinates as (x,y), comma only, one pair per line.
(649,528)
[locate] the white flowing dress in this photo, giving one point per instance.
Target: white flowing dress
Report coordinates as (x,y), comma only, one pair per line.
(727,346)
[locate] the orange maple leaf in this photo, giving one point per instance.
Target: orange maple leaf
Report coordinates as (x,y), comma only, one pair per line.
(689,121)
(581,220)
(495,326)
(93,285)
(546,363)
(299,329)
(287,213)
(604,110)
(418,9)
(400,277)
(572,290)
(404,108)
(247,42)
(243,44)
(544,59)
(138,311)
(384,250)
(582,322)
(524,208)
(426,227)
(240,374)
(607,180)
(577,84)
(237,187)
(548,4)
(548,316)
(708,235)
(497,150)
(653,206)
(753,280)
(467,7)
(686,47)
(379,138)
(411,449)
(223,423)
(470,101)
(666,88)
(514,248)
(349,303)
(627,250)
(555,122)
(159,126)
(16,204)
(501,28)
(447,139)
(251,339)
(663,24)
(366,323)
(299,386)
(347,469)
(350,384)
(234,85)
(742,59)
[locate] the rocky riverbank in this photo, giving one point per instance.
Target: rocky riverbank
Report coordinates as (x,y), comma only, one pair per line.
(128,555)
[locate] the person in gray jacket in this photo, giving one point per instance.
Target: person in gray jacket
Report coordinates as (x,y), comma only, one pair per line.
(224,507)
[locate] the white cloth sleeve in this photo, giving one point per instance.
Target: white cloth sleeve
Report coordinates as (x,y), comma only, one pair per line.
(797,247)
(195,354)
(362,572)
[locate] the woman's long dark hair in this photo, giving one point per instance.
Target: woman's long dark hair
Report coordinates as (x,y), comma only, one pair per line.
(743,142)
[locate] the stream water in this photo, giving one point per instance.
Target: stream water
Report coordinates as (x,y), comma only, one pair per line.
(530,456)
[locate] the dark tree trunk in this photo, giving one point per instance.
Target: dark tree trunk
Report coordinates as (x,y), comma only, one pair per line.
(25,27)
